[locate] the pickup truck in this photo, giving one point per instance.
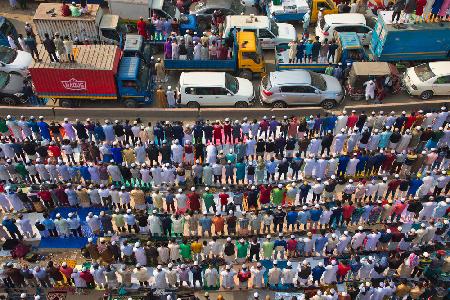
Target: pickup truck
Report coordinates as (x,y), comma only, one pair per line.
(349,50)
(246,59)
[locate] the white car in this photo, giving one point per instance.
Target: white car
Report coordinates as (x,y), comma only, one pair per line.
(429,79)
(200,89)
(344,23)
(14,61)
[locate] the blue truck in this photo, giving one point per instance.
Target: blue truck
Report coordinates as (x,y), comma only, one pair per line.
(6,28)
(409,42)
(349,50)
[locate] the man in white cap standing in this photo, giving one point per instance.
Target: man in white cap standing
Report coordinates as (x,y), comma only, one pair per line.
(142,275)
(227,277)
(274,275)
(211,276)
(258,275)
(288,275)
(160,278)
(170,94)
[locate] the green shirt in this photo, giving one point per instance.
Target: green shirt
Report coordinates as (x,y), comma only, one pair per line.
(277,196)
(329,71)
(20,168)
(208,198)
(3,127)
(268,248)
(185,251)
(242,249)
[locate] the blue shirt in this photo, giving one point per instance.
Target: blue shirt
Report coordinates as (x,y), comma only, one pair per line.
(315,214)
(9,225)
(320,243)
(343,162)
(33,125)
(291,217)
(206,223)
(48,223)
(117,155)
(45,132)
(317,272)
(303,217)
(271,167)
(84,172)
(280,243)
(308,48)
(414,185)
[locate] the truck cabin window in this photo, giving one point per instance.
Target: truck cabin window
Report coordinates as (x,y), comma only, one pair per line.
(6,27)
(354,55)
(111,34)
(323,4)
(129,84)
(424,72)
(274,27)
(253,56)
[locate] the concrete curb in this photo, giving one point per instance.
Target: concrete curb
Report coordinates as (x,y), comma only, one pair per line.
(210,113)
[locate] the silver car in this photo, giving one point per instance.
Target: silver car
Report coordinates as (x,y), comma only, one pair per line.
(300,87)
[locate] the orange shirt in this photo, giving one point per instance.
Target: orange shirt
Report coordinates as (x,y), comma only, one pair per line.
(219,223)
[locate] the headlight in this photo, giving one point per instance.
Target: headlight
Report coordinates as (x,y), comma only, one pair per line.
(18,95)
(414,87)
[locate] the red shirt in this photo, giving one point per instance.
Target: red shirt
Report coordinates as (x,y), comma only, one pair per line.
(244,276)
(227,128)
(351,120)
(224,198)
(67,271)
(264,194)
(217,131)
(291,244)
(45,196)
(399,208)
(141,27)
(393,184)
(389,159)
(264,125)
(347,211)
(87,276)
(193,201)
(342,269)
(54,151)
(410,121)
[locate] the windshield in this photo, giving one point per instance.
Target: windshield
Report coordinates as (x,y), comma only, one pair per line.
(7,55)
(231,83)
(4,79)
(274,27)
(6,27)
(169,8)
(143,76)
(318,81)
(424,72)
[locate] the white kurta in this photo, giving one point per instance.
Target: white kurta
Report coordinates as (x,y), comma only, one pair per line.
(211,277)
(141,258)
(258,276)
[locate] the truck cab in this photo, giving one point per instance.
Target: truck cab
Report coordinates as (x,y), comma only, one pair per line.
(109,30)
(6,28)
(329,7)
(250,58)
(134,82)
(134,45)
(349,48)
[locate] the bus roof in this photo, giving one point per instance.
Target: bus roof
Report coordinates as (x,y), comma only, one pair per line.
(246,41)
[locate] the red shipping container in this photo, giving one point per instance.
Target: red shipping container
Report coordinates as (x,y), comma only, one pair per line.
(92,76)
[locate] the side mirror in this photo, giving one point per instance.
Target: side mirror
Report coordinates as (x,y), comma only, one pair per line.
(317,92)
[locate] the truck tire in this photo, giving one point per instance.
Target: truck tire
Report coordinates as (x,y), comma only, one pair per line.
(193,104)
(130,103)
(246,74)
(11,101)
(279,104)
(68,103)
(241,104)
(328,104)
(426,95)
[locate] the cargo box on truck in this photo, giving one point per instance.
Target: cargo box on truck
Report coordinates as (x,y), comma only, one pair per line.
(408,41)
(99,73)
(93,26)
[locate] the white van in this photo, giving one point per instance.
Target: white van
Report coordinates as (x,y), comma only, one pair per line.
(267,30)
(197,89)
(344,23)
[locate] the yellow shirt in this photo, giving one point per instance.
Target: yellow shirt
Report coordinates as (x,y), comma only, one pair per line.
(196,247)
(402,290)
(128,155)
(137,197)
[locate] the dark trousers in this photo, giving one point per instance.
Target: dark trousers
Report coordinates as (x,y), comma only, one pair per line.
(16,235)
(136,228)
(167,230)
(53,57)
(53,232)
(77,232)
(396,14)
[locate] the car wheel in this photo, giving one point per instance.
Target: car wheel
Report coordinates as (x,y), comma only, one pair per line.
(9,101)
(328,104)
(130,103)
(193,104)
(426,95)
(279,104)
(246,74)
(241,104)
